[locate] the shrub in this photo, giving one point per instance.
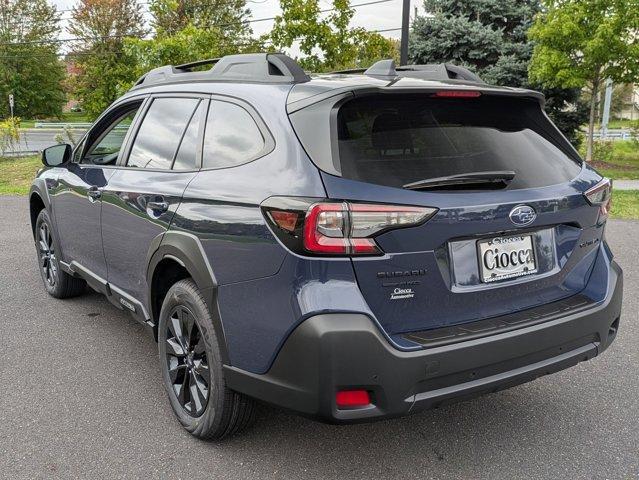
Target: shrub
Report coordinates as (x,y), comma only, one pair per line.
(9,134)
(602,150)
(634,131)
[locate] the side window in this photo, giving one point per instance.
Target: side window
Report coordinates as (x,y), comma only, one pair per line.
(157,140)
(231,137)
(186,158)
(106,148)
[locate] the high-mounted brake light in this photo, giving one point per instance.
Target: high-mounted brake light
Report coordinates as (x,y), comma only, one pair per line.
(601,194)
(338,228)
(457,94)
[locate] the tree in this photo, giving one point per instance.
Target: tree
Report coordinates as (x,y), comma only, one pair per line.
(581,43)
(490,38)
(188,30)
(186,45)
(100,27)
(29,65)
(328,42)
(229,17)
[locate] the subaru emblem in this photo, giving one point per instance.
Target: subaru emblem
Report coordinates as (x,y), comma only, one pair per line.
(522,215)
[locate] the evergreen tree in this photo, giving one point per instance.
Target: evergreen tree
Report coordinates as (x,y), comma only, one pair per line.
(29,65)
(490,38)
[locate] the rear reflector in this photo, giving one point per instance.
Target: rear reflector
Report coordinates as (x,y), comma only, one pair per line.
(457,94)
(352,399)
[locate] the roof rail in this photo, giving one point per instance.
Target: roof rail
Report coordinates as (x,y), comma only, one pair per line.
(251,67)
(441,71)
(190,66)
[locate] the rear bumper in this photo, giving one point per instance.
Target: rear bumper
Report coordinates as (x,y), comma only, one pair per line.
(332,352)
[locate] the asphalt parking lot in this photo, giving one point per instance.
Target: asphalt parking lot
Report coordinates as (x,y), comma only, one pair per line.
(82,398)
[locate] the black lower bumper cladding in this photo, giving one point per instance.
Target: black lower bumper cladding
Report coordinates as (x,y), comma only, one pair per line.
(332,352)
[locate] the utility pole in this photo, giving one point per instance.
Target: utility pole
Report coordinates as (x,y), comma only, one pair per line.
(403,50)
(606,110)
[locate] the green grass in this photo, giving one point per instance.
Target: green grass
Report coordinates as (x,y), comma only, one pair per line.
(66,117)
(16,174)
(624,164)
(625,204)
(615,124)
(617,173)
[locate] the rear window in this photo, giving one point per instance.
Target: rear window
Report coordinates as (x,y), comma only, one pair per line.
(396,140)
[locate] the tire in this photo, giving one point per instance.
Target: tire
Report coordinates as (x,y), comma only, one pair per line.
(189,357)
(57,283)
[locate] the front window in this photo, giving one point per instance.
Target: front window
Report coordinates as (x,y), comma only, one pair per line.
(106,149)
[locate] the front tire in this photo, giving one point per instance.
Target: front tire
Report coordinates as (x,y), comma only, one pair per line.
(191,366)
(58,283)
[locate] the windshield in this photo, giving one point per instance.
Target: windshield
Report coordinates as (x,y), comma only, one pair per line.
(397,140)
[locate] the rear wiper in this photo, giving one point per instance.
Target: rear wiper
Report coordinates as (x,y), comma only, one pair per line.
(494,179)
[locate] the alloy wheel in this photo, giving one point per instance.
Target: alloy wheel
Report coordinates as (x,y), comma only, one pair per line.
(48,260)
(187,362)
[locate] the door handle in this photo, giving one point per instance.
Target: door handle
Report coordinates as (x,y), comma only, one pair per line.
(158,206)
(94,193)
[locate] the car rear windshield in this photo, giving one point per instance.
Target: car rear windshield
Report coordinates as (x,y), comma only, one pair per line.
(396,140)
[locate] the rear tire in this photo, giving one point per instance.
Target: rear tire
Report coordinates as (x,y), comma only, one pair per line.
(57,283)
(191,366)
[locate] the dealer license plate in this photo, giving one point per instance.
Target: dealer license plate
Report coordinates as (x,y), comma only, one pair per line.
(501,258)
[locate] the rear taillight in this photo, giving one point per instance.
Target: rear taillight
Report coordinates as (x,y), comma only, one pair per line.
(338,228)
(601,195)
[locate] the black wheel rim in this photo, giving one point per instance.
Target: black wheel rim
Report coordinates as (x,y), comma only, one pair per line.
(186,361)
(48,260)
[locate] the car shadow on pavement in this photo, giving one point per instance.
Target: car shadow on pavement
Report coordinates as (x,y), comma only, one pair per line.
(301,444)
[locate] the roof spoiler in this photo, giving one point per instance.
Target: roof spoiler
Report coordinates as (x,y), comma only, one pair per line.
(386,69)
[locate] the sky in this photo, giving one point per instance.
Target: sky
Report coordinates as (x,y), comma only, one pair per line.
(381,16)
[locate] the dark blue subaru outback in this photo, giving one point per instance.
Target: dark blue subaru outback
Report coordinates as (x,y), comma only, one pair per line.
(350,246)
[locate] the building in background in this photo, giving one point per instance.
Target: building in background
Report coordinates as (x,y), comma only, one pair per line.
(72,71)
(630,104)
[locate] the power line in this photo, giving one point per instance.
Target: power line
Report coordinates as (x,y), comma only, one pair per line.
(255,20)
(219,45)
(149,3)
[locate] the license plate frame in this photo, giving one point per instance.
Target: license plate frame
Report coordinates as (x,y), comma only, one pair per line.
(510,245)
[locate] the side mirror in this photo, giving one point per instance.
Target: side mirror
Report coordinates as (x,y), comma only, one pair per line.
(56,155)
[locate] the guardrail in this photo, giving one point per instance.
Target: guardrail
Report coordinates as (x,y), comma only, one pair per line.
(21,153)
(625,135)
(613,134)
(61,125)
